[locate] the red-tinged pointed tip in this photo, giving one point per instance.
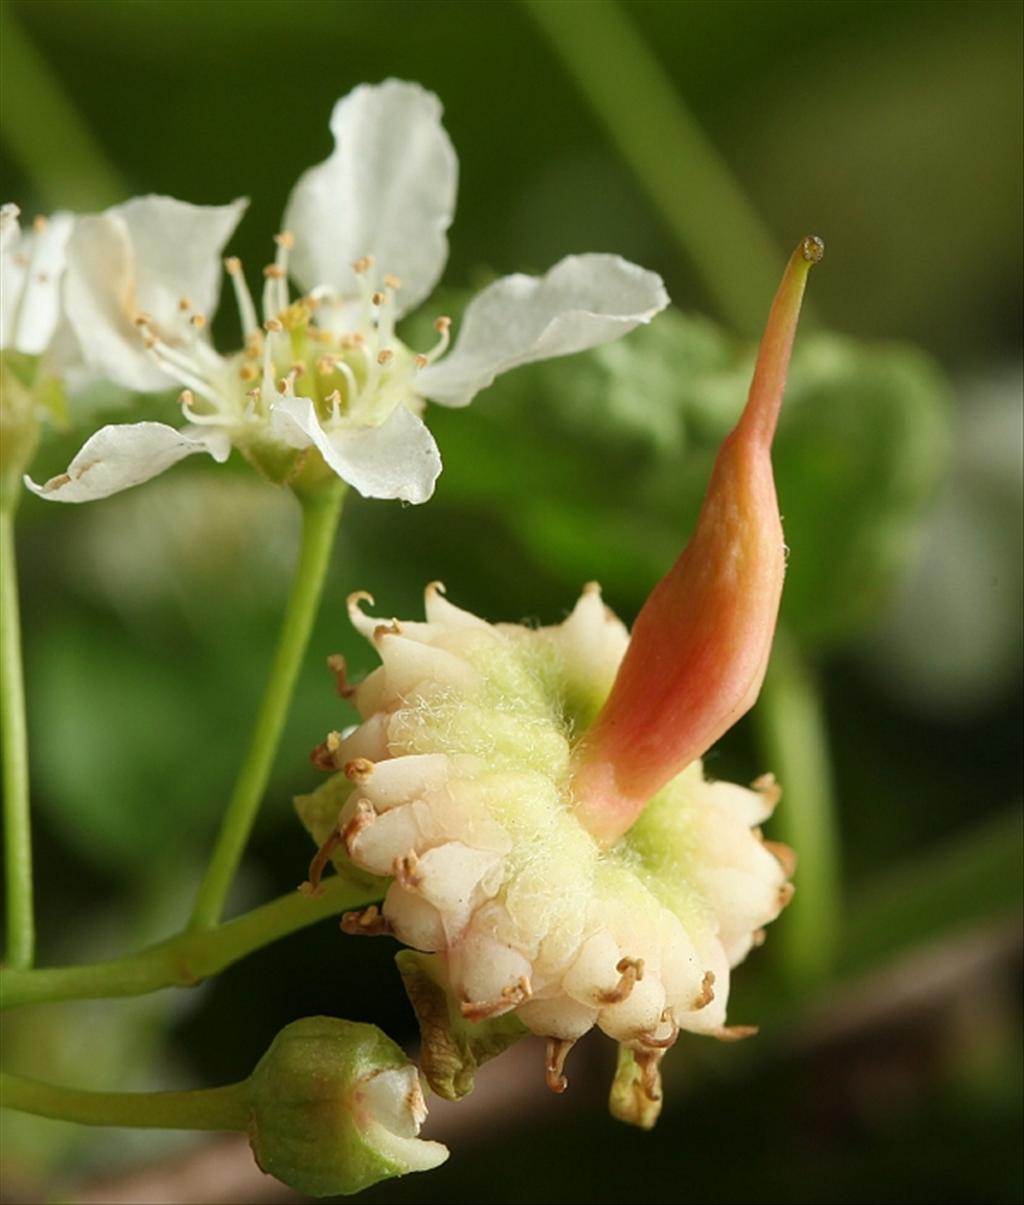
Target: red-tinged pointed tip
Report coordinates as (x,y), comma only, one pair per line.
(700,645)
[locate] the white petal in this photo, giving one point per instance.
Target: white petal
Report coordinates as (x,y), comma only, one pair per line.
(143,257)
(583,301)
(118,457)
(388,190)
(30,277)
(398,459)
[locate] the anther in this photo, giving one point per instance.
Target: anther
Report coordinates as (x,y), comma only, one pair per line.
(363,264)
(555,1053)
(274,272)
(371,922)
(706,993)
(272,324)
(511,997)
(392,281)
(338,666)
(442,325)
(361,819)
(40,223)
(248,372)
(377,298)
(385,356)
(198,321)
(631,971)
(232,265)
(285,239)
(187,398)
(405,870)
(184,304)
(420,360)
(323,755)
(358,769)
(325,365)
(143,320)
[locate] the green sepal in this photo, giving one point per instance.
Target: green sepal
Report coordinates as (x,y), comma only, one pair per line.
(628,1100)
(452,1047)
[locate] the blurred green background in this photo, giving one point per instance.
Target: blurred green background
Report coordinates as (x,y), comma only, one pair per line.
(888,1065)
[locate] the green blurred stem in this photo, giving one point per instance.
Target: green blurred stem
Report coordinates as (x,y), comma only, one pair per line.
(206,1109)
(44,132)
(186,959)
(17,822)
(793,738)
(685,177)
(321,509)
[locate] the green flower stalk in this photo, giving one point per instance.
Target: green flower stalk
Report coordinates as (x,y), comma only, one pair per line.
(331,1108)
(535,800)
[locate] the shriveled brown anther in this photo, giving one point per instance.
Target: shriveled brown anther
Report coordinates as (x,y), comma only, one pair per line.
(707,991)
(648,1060)
(324,755)
(406,871)
(631,971)
(338,666)
(361,819)
(649,1042)
(511,997)
(555,1053)
(319,863)
(359,769)
(370,922)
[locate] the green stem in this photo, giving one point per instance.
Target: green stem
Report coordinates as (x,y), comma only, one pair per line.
(321,509)
(187,958)
(793,736)
(17,823)
(688,181)
(207,1109)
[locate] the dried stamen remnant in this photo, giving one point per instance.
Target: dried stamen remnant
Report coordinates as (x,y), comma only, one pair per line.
(339,668)
(647,1061)
(323,756)
(319,863)
(555,1053)
(511,997)
(406,871)
(370,922)
(358,769)
(361,819)
(631,971)
(707,991)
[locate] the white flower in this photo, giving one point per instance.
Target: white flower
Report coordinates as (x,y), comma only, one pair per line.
(366,241)
(31,267)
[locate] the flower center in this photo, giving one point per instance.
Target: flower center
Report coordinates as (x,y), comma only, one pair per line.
(341,352)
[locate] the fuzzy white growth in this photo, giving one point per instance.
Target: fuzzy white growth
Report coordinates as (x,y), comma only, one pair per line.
(467,805)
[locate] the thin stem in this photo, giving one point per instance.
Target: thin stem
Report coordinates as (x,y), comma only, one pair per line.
(17,822)
(321,510)
(205,1109)
(188,958)
(689,182)
(793,736)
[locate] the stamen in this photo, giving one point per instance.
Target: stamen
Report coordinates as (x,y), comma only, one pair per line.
(378,298)
(338,666)
(406,872)
(362,818)
(511,997)
(319,863)
(334,399)
(556,1052)
(631,971)
(177,364)
(392,281)
(198,321)
(371,922)
(443,326)
(362,265)
(40,222)
(323,756)
(243,298)
(385,356)
(184,304)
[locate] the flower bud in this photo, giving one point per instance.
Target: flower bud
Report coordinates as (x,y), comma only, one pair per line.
(700,645)
(336,1106)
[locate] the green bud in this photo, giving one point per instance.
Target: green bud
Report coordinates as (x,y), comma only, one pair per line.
(335,1107)
(635,1097)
